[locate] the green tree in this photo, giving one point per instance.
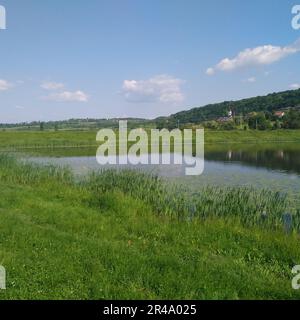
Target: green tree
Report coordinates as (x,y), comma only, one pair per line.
(211,125)
(227,125)
(259,121)
(277,125)
(292,119)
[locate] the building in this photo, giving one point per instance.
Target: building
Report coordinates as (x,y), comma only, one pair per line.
(279,114)
(224,119)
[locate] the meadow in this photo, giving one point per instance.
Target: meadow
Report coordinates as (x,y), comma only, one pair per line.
(125,235)
(76,138)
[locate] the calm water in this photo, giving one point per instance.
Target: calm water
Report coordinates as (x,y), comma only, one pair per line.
(275,167)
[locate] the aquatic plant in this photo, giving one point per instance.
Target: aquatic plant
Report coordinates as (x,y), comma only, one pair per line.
(246,204)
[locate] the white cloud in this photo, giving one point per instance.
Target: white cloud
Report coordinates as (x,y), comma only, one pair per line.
(210,71)
(295,86)
(161,88)
(4,85)
(68,96)
(250,80)
(263,55)
(52,85)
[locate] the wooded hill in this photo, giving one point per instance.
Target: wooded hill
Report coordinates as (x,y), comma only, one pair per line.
(269,103)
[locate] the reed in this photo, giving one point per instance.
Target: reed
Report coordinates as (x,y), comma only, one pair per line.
(247,205)
(13,170)
(250,206)
(64,238)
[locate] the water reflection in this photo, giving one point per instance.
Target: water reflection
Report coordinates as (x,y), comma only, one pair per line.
(274,167)
(278,158)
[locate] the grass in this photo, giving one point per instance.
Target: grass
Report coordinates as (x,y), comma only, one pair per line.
(53,139)
(67,239)
(252,136)
(243,204)
(25,139)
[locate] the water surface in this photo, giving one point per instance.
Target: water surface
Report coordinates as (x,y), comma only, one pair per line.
(271,166)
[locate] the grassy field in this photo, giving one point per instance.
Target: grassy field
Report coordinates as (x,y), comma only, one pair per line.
(23,139)
(68,239)
(252,136)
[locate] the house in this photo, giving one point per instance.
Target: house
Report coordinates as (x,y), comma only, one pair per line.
(228,118)
(279,114)
(224,119)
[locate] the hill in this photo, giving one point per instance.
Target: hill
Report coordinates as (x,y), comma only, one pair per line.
(73,124)
(268,103)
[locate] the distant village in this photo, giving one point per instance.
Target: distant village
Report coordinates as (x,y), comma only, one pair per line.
(288,118)
(231,116)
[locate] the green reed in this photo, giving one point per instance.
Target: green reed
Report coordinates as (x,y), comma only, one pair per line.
(248,205)
(13,170)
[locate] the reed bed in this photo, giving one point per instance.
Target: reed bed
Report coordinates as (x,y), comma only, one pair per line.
(250,206)
(12,170)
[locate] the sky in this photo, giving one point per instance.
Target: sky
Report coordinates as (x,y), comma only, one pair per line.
(63,59)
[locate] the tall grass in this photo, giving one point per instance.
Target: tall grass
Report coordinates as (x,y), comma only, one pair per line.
(249,206)
(12,170)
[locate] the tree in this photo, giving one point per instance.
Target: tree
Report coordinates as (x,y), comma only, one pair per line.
(266,104)
(228,125)
(265,125)
(292,120)
(277,125)
(259,121)
(211,125)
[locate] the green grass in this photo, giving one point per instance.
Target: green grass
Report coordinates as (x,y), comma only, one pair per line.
(62,239)
(25,139)
(37,139)
(243,204)
(252,136)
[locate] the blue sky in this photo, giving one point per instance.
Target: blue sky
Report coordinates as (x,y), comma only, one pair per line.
(141,58)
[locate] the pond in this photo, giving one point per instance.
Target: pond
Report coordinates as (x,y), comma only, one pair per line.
(269,166)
